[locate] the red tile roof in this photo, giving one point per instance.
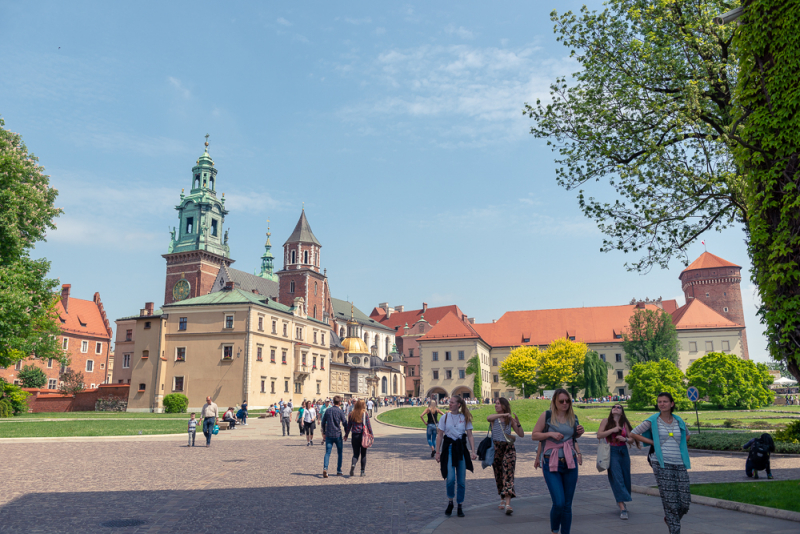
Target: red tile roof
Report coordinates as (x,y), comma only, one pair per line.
(696,314)
(400,319)
(709,261)
(85,317)
(450,327)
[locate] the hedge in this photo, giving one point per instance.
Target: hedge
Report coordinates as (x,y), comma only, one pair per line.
(718,441)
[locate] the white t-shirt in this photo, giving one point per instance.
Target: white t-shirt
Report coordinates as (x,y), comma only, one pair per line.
(454,425)
(369,405)
(309,415)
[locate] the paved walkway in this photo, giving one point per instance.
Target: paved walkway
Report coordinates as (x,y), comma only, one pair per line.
(254,480)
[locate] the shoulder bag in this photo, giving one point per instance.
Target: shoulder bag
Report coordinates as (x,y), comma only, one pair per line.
(367,439)
(603,455)
(486,450)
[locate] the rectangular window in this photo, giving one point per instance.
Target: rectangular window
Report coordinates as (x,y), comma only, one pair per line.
(84,346)
(496,378)
(304,358)
(435,356)
(141,387)
(410,371)
(322,362)
(448,374)
(147,325)
(272,386)
(227,352)
(318,388)
(298,387)
(315,337)
(180,354)
(89,366)
(286,386)
(462,374)
(214,227)
(177,383)
(285,330)
(283,357)
(447,355)
(229,321)
(693,346)
(622,391)
(145,354)
(98,348)
(189,225)
(299,333)
(619,375)
(603,357)
(65,341)
(461,355)
(322,339)
(725,345)
(314,362)
(709,346)
(126,361)
(496,394)
(263,385)
(494,362)
(272,355)
(259,353)
(182,323)
(410,353)
(436,375)
(274,327)
(49,363)
(52,383)
(128,337)
(618,357)
(261,324)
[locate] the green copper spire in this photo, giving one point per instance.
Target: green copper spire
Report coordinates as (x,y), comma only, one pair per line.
(201,213)
(267,260)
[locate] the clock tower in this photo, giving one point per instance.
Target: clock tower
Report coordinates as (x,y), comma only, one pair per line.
(197,248)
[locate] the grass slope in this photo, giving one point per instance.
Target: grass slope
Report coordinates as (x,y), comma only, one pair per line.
(23,429)
(773,493)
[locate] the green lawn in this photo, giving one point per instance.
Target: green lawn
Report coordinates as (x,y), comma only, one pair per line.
(773,493)
(103,415)
(23,429)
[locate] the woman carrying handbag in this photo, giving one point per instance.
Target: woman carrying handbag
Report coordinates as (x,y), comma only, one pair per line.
(358,424)
(505,454)
(614,433)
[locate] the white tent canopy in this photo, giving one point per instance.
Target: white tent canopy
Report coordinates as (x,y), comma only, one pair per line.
(783,381)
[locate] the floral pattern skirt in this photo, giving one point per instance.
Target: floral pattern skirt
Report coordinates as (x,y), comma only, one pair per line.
(505,461)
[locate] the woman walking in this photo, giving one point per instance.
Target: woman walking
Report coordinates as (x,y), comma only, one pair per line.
(505,454)
(355,424)
(432,412)
(557,430)
(616,430)
(668,438)
(452,436)
(309,422)
(300,411)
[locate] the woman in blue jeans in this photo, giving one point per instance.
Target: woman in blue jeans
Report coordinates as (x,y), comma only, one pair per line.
(557,431)
(432,412)
(452,437)
(616,430)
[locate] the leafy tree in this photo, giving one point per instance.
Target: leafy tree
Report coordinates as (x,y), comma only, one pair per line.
(518,369)
(561,363)
(649,113)
(651,336)
(28,323)
(176,403)
(474,368)
(13,396)
(595,375)
(71,382)
(768,149)
(647,380)
(729,382)
(32,377)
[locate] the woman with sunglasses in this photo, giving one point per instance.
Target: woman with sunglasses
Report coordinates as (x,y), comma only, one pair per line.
(503,423)
(557,431)
(616,430)
(668,438)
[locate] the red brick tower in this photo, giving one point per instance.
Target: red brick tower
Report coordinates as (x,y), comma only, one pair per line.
(301,276)
(716,282)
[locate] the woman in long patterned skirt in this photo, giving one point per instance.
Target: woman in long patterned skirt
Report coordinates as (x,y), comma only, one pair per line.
(505,454)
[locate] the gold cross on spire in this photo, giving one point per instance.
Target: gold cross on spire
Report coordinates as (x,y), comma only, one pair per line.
(206,142)
(268,234)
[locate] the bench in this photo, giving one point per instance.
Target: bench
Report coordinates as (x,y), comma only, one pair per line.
(224,425)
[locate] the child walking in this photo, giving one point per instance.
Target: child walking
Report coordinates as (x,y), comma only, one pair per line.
(192,430)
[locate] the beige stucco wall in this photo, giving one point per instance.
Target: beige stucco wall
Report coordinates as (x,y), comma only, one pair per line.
(455,384)
(120,374)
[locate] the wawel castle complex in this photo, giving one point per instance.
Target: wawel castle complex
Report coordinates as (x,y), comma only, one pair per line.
(280,334)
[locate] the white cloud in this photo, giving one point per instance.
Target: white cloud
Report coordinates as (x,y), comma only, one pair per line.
(283,22)
(461,32)
(178,86)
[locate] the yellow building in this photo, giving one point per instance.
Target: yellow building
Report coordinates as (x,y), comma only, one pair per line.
(231,345)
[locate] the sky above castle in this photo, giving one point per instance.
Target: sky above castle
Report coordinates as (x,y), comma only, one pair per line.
(399,127)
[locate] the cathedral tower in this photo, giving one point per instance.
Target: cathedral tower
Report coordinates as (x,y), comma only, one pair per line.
(716,282)
(197,248)
(301,276)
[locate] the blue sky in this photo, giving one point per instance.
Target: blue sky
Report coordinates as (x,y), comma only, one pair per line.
(399,126)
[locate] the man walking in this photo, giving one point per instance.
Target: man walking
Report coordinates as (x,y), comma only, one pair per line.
(370,405)
(286,419)
(210,415)
(332,424)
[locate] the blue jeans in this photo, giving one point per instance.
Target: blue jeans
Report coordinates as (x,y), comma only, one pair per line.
(561,485)
(329,442)
(431,434)
(454,473)
(619,473)
(208,427)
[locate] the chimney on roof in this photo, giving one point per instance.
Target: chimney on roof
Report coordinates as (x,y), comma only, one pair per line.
(424,307)
(65,296)
(148,306)
(384,306)
(471,320)
(389,312)
(640,305)
(399,309)
(228,286)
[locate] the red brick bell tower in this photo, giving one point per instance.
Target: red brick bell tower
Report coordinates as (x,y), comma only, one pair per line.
(716,282)
(301,276)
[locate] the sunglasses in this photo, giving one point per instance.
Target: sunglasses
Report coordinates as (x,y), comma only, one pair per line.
(617,406)
(564,401)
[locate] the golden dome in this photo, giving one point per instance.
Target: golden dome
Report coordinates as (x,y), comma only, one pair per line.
(354,345)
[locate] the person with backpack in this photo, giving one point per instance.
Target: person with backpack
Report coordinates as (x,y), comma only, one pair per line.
(758,459)
(616,431)
(502,424)
(668,438)
(453,454)
(557,432)
(358,423)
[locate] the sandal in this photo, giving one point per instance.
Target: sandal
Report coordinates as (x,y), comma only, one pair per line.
(502,506)
(509,510)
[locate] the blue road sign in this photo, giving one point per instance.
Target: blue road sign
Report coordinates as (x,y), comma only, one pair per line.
(693,394)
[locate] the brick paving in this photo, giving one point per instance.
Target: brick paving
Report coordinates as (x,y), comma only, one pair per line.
(254,480)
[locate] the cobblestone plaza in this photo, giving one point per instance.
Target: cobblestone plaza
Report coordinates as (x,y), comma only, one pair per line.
(254,480)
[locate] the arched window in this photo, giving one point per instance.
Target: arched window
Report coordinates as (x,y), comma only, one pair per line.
(315,311)
(294,257)
(305,257)
(315,291)
(211,180)
(366,339)
(387,345)
(196,181)
(394,386)
(341,332)
(291,287)
(384,385)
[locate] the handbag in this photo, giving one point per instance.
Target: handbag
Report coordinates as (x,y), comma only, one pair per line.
(510,438)
(603,455)
(486,450)
(215,431)
(367,439)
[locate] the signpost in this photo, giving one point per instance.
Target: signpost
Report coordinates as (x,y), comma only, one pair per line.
(694,396)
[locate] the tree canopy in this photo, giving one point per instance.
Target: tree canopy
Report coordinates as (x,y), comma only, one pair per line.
(561,363)
(648,113)
(518,369)
(595,375)
(730,382)
(28,323)
(31,376)
(650,336)
(647,380)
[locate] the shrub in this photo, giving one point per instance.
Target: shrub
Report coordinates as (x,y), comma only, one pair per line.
(647,380)
(790,434)
(32,377)
(15,396)
(6,410)
(730,382)
(176,403)
(730,423)
(717,441)
(71,382)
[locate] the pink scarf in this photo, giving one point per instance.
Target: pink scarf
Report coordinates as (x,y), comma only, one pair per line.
(568,450)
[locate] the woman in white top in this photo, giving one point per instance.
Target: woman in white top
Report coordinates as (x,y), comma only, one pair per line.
(452,437)
(309,422)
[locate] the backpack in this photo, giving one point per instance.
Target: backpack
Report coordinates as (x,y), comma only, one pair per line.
(759,455)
